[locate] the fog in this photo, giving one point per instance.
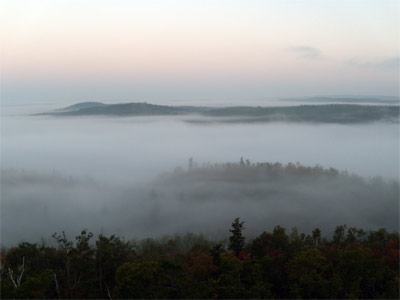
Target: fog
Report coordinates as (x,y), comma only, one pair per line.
(102,173)
(132,149)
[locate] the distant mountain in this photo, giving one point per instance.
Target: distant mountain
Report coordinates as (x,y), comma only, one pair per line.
(332,113)
(347,99)
(81,105)
(328,113)
(125,109)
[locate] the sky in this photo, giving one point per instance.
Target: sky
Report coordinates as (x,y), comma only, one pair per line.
(159,51)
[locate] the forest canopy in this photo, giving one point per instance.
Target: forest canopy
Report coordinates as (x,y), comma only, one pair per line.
(354,263)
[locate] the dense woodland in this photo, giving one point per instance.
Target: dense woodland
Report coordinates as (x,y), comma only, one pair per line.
(351,263)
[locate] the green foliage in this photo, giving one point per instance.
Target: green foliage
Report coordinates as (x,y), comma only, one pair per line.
(354,264)
(36,287)
(268,242)
(308,275)
(216,254)
(236,241)
(110,253)
(363,275)
(144,280)
(229,283)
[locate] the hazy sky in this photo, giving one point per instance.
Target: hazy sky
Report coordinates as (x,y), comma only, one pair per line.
(162,50)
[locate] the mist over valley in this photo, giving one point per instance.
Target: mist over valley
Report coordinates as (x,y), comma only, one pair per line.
(199,149)
(116,175)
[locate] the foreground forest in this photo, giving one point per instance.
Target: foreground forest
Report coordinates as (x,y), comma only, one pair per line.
(352,263)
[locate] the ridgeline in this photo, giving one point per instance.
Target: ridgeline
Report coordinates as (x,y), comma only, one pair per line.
(328,113)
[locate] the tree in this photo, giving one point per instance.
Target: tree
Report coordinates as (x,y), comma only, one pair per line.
(339,235)
(316,234)
(236,240)
(229,282)
(366,277)
(216,254)
(295,241)
(111,253)
(280,240)
(83,267)
(65,247)
(144,280)
(308,275)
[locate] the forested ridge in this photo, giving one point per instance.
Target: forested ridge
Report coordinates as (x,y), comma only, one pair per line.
(346,263)
(327,113)
(178,201)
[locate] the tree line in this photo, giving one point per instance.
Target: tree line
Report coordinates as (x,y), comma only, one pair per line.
(247,171)
(353,263)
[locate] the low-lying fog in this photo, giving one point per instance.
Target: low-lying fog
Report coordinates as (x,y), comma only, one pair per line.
(117,160)
(131,149)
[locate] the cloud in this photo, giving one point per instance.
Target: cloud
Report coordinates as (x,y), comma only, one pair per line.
(388,63)
(306,52)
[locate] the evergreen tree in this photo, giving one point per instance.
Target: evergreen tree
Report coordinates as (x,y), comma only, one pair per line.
(339,235)
(316,234)
(236,241)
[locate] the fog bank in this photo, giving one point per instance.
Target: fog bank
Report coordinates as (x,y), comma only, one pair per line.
(101,173)
(203,199)
(137,148)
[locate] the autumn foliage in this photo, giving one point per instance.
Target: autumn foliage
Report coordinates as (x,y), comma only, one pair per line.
(351,264)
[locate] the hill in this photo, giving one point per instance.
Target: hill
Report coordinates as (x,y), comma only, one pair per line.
(346,99)
(81,105)
(328,113)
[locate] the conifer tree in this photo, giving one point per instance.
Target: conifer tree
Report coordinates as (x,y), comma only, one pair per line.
(236,240)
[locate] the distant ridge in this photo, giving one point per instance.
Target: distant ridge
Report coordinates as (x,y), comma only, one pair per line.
(81,105)
(346,99)
(323,113)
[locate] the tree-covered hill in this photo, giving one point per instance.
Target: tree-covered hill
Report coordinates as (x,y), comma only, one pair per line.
(347,99)
(332,113)
(78,106)
(181,200)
